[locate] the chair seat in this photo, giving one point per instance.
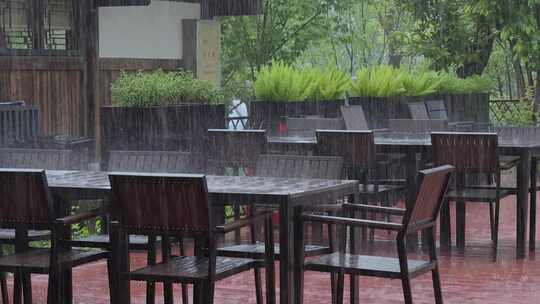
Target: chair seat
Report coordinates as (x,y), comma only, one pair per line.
(477,194)
(136,242)
(257,250)
(366,265)
(38,260)
(191,269)
(7,236)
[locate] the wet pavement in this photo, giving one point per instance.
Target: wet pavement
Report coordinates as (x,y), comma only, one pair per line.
(467,277)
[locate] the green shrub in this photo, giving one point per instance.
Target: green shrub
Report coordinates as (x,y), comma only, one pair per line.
(451,84)
(384,81)
(378,81)
(162,88)
(282,82)
(421,83)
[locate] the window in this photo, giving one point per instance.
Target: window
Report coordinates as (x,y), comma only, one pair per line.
(37,24)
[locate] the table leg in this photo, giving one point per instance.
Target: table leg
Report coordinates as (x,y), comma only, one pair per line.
(532,220)
(286,243)
(461,212)
(411,185)
(354,247)
(166,254)
(445,224)
(523,183)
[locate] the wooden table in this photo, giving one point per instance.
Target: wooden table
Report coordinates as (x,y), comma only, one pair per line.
(287,194)
(520,144)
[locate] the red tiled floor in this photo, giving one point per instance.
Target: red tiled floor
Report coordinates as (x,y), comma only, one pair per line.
(469,277)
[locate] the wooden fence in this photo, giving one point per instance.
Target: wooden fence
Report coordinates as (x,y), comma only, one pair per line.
(54,84)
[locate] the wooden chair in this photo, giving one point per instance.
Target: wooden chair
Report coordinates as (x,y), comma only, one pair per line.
(436,109)
(172,205)
(235,148)
(359,162)
(418,110)
(306,127)
(25,203)
(35,158)
(533,134)
(142,161)
(354,117)
(286,166)
(420,216)
(150,161)
(19,124)
(234,152)
(474,155)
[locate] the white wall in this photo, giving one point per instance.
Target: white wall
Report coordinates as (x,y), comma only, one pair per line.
(153,31)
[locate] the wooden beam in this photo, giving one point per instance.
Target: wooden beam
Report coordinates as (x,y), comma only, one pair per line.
(135,64)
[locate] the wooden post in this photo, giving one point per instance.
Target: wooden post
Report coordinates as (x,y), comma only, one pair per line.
(89,48)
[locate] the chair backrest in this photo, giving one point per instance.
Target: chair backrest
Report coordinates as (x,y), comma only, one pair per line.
(18,124)
(236,148)
(25,198)
(417,110)
(436,109)
(293,166)
(432,186)
(417,125)
(158,203)
(467,152)
(306,126)
(354,117)
(356,147)
(150,161)
(40,159)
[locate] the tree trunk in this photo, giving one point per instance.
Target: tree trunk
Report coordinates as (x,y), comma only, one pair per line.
(520,79)
(537,92)
(530,78)
(480,51)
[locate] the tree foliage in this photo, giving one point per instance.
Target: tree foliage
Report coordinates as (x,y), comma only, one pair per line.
(283,31)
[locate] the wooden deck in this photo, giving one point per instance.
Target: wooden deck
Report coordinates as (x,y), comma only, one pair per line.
(469,277)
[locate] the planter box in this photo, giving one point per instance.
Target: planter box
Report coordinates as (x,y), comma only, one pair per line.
(268,114)
(169,128)
(464,107)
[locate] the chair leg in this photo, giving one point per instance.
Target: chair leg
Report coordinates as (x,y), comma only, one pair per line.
(435,276)
(496,228)
(151,258)
(492,220)
(404,267)
(184,287)
(67,286)
(17,288)
(27,288)
(258,285)
(445,225)
(112,281)
(3,286)
(333,287)
(210,292)
(340,288)
(532,221)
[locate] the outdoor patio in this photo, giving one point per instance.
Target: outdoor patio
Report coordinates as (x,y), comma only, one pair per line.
(269,151)
(466,278)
